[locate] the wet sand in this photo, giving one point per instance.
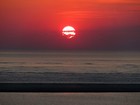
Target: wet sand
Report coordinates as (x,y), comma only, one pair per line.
(69,99)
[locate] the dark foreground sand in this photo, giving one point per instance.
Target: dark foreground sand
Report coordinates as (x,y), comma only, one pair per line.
(69,98)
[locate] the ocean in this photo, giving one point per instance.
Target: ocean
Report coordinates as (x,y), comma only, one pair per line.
(52,67)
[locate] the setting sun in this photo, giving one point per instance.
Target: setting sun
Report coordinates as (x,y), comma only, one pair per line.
(68,32)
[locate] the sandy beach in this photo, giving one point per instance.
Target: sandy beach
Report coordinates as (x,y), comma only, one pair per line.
(69,98)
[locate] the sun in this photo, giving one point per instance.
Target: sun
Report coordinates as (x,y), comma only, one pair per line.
(68,32)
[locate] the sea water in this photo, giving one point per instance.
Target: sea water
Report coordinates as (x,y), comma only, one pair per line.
(76,62)
(64,66)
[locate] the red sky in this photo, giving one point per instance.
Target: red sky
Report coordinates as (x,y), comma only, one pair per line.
(37,23)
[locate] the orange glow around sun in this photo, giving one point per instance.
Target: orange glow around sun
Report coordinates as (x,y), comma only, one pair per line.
(68,32)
